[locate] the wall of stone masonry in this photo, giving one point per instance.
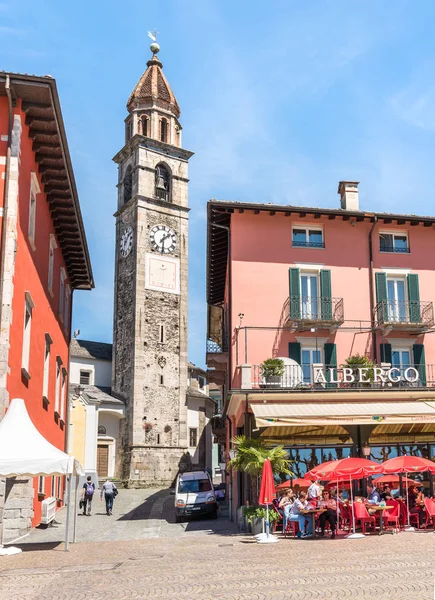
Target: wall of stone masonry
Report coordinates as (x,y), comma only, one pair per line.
(18,512)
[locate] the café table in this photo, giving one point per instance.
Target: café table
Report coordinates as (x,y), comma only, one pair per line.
(313,512)
(379,509)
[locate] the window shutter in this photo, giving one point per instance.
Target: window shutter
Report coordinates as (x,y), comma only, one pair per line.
(386,354)
(381,297)
(414,298)
(326,295)
(294,351)
(295,294)
(420,362)
(330,351)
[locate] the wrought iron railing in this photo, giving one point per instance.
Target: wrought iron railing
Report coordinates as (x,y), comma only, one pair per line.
(330,377)
(215,348)
(393,249)
(308,244)
(302,308)
(395,312)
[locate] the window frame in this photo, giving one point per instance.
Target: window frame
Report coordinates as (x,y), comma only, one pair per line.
(31,226)
(41,485)
(59,363)
(67,307)
(312,348)
(392,249)
(161,333)
(164,129)
(62,292)
(307,243)
(89,372)
(316,313)
(53,486)
(193,430)
(29,305)
(63,394)
(51,256)
(46,377)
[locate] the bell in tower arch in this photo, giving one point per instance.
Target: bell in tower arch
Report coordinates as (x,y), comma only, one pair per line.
(162,182)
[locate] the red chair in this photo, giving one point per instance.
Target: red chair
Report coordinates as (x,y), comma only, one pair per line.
(362,516)
(430,512)
(291,527)
(279,523)
(413,517)
(392,515)
(345,517)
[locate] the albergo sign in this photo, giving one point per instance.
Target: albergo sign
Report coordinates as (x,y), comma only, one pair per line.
(366,375)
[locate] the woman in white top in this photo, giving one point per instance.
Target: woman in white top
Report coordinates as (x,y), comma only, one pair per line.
(294,514)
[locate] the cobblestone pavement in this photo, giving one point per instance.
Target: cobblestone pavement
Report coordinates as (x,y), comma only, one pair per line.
(141,552)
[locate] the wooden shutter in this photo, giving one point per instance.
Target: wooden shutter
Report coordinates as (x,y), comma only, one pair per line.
(294,351)
(381,297)
(295,294)
(414,298)
(330,351)
(386,353)
(326,295)
(420,362)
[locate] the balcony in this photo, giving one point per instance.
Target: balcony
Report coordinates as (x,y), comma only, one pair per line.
(217,354)
(401,315)
(304,311)
(319,377)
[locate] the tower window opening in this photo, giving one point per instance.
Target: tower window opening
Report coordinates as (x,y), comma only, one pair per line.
(145,126)
(162,183)
(128,131)
(128,183)
(161,379)
(158,438)
(161,334)
(163,130)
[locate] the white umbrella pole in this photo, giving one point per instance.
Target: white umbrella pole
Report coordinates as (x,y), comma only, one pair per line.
(354,535)
(337,495)
(68,511)
(75,510)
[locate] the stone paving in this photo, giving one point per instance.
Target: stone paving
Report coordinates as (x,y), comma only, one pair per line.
(208,561)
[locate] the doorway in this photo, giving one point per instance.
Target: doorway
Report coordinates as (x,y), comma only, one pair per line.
(102,461)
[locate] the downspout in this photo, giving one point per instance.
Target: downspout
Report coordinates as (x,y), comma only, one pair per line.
(230,479)
(371,290)
(6,193)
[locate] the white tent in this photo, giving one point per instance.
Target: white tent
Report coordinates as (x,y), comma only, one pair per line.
(25,452)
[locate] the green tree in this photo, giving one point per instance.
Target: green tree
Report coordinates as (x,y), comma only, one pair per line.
(250,454)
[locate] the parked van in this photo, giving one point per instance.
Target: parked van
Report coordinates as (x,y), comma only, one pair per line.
(194,495)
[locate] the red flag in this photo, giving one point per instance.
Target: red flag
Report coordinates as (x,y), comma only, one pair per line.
(267,490)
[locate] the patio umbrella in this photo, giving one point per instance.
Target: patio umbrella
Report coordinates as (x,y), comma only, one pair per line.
(267,494)
(408,464)
(346,469)
(302,483)
(392,479)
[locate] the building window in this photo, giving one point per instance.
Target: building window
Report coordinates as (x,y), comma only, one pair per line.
(58,384)
(201,383)
(161,379)
(52,248)
(401,359)
(163,130)
(63,394)
(128,184)
(61,292)
(46,366)
(67,307)
(396,299)
(393,242)
(310,296)
(161,334)
(25,358)
(53,486)
(85,377)
(128,130)
(59,479)
(145,126)
(34,190)
(101,430)
(309,357)
(41,481)
(193,437)
(307,237)
(162,182)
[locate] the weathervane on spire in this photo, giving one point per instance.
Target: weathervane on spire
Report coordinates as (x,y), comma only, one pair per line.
(154,46)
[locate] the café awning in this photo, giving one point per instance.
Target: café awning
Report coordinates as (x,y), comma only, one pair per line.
(356,413)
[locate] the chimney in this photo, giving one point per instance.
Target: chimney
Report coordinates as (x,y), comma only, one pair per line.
(348,191)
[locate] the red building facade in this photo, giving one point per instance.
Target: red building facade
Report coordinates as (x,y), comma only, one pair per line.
(43,259)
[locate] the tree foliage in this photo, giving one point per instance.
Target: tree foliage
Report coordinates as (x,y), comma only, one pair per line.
(251,453)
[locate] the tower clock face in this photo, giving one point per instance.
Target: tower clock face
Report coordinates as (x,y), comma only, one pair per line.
(163,239)
(126,242)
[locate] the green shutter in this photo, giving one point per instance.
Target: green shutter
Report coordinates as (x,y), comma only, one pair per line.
(326,295)
(386,354)
(414,299)
(381,297)
(295,294)
(330,351)
(420,362)
(294,351)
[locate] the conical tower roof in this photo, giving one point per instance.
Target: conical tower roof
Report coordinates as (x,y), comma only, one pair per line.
(153,88)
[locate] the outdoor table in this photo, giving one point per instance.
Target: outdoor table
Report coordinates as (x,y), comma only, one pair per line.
(313,512)
(380,510)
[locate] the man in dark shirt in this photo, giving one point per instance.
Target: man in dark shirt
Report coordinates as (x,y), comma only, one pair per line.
(87,495)
(416,503)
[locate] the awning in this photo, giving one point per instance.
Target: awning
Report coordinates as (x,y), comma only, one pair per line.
(356,413)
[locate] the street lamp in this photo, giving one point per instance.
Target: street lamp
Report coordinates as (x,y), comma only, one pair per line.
(366,450)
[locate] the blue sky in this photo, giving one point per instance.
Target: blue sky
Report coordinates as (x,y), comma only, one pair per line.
(279,102)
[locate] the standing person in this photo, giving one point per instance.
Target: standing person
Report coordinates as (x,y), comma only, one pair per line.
(109,490)
(330,515)
(87,495)
(314,492)
(416,504)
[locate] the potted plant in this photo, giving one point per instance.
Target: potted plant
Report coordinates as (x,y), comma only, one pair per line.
(272,370)
(358,361)
(254,516)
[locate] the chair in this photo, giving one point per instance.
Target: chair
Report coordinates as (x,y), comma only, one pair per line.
(362,515)
(429,505)
(392,515)
(345,517)
(403,519)
(291,527)
(279,523)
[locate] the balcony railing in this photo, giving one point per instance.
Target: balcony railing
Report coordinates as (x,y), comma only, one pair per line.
(328,378)
(393,249)
(215,348)
(400,313)
(308,244)
(314,310)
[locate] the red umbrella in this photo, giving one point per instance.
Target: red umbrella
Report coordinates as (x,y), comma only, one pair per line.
(267,494)
(391,479)
(302,483)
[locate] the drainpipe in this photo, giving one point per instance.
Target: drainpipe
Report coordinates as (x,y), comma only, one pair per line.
(230,479)
(372,301)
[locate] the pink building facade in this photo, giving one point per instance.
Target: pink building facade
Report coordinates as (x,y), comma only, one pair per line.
(325,290)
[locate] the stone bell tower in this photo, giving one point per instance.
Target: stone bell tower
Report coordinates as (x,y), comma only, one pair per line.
(150,314)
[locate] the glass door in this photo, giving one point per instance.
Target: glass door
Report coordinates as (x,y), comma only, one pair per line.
(309,357)
(310,296)
(396,292)
(401,359)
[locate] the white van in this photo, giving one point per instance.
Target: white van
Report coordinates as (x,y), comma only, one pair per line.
(194,495)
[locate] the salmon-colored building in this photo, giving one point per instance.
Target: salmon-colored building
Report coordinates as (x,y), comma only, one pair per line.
(344,297)
(43,259)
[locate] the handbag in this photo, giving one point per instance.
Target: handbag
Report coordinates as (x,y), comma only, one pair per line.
(81,504)
(115,491)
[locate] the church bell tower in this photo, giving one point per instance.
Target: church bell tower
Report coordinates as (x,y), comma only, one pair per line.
(150,314)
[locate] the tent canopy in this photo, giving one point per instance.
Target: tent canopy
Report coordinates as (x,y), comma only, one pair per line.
(25,452)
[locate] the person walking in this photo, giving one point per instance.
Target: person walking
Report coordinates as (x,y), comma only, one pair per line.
(87,495)
(109,490)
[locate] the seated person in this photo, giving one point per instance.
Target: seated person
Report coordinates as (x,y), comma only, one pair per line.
(286,500)
(386,494)
(373,496)
(330,515)
(416,504)
(293,513)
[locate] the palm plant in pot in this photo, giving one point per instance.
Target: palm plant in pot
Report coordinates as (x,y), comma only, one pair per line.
(359,361)
(272,370)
